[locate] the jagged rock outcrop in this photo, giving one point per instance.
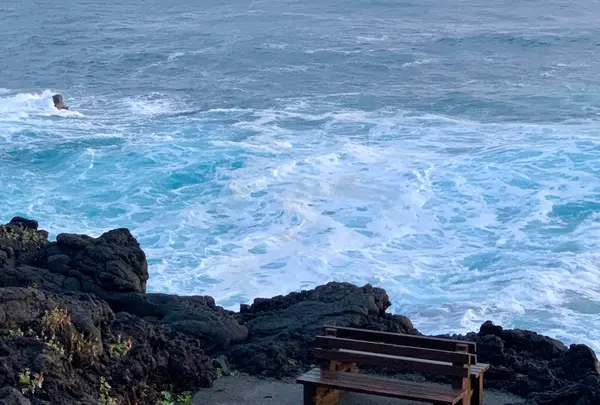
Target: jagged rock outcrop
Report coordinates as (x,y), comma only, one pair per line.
(112,267)
(76,326)
(197,316)
(282,329)
(72,349)
(537,367)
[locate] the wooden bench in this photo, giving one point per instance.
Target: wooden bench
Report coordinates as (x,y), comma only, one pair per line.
(342,349)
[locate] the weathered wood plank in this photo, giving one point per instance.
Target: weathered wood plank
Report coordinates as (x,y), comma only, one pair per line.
(330,342)
(388,360)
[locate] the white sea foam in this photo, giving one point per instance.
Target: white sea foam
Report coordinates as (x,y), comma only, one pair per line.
(460,221)
(416,63)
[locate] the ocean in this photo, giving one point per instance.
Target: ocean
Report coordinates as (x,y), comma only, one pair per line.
(447,151)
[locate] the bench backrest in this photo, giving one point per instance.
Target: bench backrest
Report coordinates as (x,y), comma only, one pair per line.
(405,340)
(359,346)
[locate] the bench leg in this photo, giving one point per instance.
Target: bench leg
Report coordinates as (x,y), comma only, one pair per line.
(465,385)
(467,399)
(310,394)
(327,396)
(477,386)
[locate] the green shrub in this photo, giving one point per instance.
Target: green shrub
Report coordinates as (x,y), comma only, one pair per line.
(167,398)
(185,398)
(121,348)
(104,397)
(30,381)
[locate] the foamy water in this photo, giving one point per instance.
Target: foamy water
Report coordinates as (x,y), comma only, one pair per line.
(448,155)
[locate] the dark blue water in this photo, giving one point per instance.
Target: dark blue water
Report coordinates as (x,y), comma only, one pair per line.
(447,151)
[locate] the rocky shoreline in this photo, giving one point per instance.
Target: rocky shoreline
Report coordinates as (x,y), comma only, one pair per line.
(77,327)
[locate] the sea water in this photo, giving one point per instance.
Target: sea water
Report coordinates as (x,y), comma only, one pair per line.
(448,151)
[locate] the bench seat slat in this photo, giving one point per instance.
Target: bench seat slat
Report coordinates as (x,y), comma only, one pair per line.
(479,368)
(368,384)
(380,382)
(388,360)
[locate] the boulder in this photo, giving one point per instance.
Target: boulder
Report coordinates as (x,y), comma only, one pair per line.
(282,329)
(113,262)
(23,223)
(112,267)
(198,316)
(160,358)
(584,392)
(22,243)
(12,396)
(524,362)
(23,307)
(72,349)
(537,367)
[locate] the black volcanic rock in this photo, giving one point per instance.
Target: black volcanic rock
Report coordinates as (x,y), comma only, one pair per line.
(69,342)
(112,267)
(12,396)
(23,223)
(75,312)
(57,326)
(195,315)
(282,329)
(537,367)
(21,244)
(113,262)
(584,392)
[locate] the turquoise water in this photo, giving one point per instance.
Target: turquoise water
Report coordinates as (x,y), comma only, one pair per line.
(447,151)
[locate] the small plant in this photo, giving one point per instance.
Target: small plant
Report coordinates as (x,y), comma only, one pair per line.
(185,398)
(30,381)
(121,348)
(219,372)
(292,362)
(167,398)
(56,346)
(56,320)
(85,347)
(13,334)
(104,398)
(25,378)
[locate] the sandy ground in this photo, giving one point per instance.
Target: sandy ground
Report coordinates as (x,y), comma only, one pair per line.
(254,391)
